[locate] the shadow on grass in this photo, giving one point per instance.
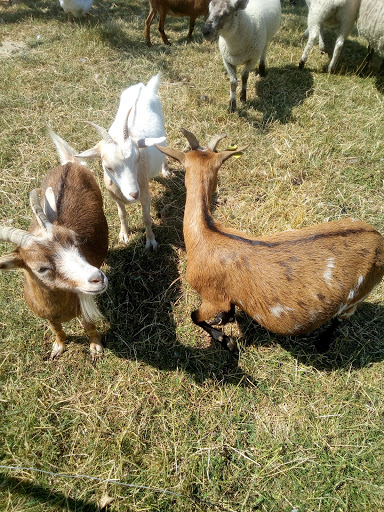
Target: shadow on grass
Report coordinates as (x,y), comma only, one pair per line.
(356,343)
(277,94)
(37,494)
(143,293)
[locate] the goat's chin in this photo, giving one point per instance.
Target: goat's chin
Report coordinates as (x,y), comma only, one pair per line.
(88,307)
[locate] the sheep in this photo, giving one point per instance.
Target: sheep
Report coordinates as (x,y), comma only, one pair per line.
(245,27)
(370,24)
(128,156)
(191,8)
(339,13)
(290,282)
(76,8)
(63,250)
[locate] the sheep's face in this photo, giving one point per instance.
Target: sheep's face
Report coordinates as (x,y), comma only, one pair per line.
(221,13)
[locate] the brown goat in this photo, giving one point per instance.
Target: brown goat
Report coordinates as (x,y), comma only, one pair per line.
(61,254)
(179,8)
(290,282)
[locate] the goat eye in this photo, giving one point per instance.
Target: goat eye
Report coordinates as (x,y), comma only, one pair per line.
(43,270)
(109,169)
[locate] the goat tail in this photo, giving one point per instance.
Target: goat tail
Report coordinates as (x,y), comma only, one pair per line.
(89,309)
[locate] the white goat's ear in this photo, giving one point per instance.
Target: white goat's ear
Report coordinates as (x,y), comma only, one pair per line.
(90,153)
(173,153)
(50,207)
(11,261)
(149,141)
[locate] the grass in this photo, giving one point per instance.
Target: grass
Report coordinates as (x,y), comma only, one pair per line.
(285,428)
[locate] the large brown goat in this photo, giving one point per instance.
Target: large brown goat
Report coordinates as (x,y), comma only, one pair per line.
(179,8)
(290,282)
(61,253)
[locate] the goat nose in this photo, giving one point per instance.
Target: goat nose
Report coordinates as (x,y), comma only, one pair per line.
(135,195)
(97,278)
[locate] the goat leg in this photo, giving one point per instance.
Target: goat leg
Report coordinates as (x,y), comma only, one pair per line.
(95,346)
(217,335)
(58,345)
(224,317)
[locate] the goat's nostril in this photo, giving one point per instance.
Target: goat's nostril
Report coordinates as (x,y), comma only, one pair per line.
(97,278)
(135,195)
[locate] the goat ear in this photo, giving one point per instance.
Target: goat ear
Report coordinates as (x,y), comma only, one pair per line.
(149,141)
(224,155)
(241,4)
(90,153)
(173,153)
(50,207)
(11,261)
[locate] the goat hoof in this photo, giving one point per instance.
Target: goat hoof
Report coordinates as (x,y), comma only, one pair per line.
(301,64)
(57,350)
(96,352)
(152,245)
(123,237)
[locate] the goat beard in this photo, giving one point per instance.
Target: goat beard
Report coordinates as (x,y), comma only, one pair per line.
(88,308)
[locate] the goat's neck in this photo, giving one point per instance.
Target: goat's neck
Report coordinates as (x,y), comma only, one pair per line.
(197,214)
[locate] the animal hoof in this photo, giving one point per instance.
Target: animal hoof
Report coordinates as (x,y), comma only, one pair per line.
(152,245)
(301,64)
(57,350)
(96,352)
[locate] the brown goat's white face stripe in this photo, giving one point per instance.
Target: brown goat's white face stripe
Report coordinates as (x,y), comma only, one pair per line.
(73,268)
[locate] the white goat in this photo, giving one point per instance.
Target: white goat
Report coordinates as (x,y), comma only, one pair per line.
(370,24)
(245,28)
(341,14)
(61,254)
(127,153)
(290,282)
(76,8)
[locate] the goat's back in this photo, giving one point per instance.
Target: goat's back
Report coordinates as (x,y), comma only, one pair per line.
(79,208)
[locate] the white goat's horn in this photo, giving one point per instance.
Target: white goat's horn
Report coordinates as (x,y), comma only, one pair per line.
(125,128)
(193,142)
(34,199)
(14,235)
(103,132)
(212,144)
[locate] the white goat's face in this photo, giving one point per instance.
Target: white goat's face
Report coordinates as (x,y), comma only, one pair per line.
(55,262)
(120,163)
(221,13)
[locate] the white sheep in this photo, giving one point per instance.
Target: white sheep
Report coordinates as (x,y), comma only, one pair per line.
(370,24)
(76,8)
(245,28)
(341,14)
(127,153)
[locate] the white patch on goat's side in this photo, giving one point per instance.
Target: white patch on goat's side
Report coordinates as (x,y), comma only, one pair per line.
(328,271)
(278,310)
(359,282)
(88,307)
(351,295)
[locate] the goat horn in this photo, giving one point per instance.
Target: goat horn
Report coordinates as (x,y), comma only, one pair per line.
(14,235)
(102,131)
(34,199)
(193,142)
(212,144)
(125,128)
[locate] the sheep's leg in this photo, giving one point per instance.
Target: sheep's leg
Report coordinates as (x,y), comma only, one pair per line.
(161,29)
(148,23)
(70,17)
(191,27)
(262,62)
(224,317)
(321,41)
(244,81)
(95,346)
(58,345)
(231,70)
(312,36)
(145,199)
(336,52)
(207,310)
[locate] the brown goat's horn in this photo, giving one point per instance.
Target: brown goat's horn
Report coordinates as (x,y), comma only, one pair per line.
(193,142)
(34,199)
(102,131)
(212,144)
(14,235)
